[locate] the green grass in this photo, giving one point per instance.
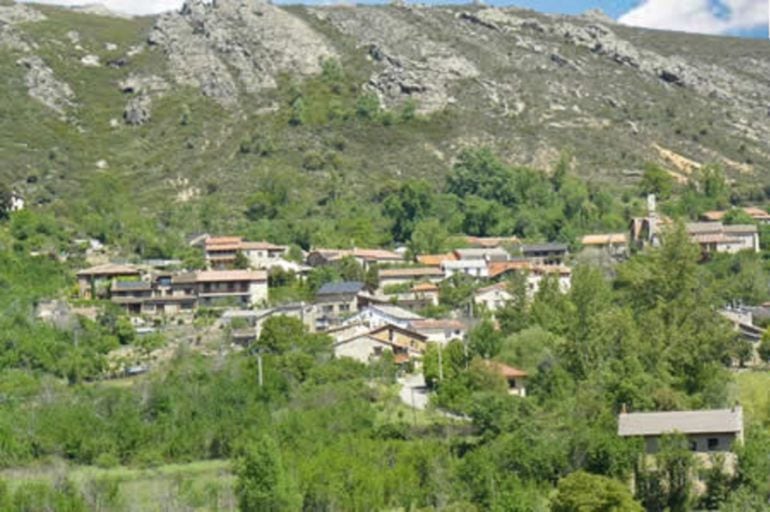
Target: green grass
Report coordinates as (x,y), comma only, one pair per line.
(754,389)
(201,486)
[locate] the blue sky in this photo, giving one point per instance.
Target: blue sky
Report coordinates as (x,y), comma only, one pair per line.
(745,18)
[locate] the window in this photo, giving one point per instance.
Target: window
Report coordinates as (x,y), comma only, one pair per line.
(713,443)
(693,446)
(344,307)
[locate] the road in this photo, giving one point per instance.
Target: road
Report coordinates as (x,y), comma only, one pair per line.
(413,391)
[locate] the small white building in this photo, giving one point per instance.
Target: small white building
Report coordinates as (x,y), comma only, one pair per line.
(375,316)
(473,268)
(243,287)
(439,330)
(494,297)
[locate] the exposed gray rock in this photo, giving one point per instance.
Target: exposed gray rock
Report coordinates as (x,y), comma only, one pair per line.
(143,84)
(206,43)
(138,110)
(19,13)
(43,85)
(411,64)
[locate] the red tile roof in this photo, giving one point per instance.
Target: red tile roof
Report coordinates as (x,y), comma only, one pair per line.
(497,268)
(508,372)
(216,276)
(435,260)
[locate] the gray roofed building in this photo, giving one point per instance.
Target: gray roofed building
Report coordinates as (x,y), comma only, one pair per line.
(707,430)
(546,247)
(487,254)
(342,288)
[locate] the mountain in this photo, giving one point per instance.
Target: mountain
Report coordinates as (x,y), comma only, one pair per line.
(179,119)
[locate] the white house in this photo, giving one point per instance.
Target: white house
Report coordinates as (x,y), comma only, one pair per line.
(474,268)
(493,297)
(439,331)
(375,316)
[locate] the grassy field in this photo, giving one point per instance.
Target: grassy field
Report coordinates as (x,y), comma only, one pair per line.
(204,486)
(754,388)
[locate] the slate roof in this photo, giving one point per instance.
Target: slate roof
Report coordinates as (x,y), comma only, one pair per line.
(342,288)
(716,421)
(547,247)
(396,312)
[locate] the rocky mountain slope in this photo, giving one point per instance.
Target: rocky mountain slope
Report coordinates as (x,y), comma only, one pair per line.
(175,106)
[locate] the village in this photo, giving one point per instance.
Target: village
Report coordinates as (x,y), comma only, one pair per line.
(395,312)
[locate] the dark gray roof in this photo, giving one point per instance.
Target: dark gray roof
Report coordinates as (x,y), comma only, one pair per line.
(685,422)
(549,247)
(343,288)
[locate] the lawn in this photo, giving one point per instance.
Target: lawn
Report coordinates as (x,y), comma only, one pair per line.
(203,486)
(754,389)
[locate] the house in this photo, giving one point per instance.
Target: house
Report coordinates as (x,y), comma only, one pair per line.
(427,291)
(515,378)
(562,274)
(494,297)
(222,253)
(545,254)
(435,260)
(336,300)
(614,244)
(714,237)
(400,276)
(366,348)
(707,431)
(439,331)
(90,279)
(486,254)
(308,314)
(131,295)
(757,215)
(217,288)
(377,315)
(364,257)
(370,345)
(499,269)
(473,268)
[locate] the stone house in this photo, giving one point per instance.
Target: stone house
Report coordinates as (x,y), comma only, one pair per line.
(707,431)
(400,276)
(99,278)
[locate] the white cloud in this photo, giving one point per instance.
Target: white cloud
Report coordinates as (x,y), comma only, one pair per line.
(136,7)
(698,15)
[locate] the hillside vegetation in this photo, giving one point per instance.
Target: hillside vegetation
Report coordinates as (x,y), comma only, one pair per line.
(217,119)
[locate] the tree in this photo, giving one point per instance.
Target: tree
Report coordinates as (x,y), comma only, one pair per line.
(428,237)
(584,492)
(241,261)
(262,484)
(658,181)
(281,334)
(764,347)
(514,315)
(485,340)
(6,201)
(669,486)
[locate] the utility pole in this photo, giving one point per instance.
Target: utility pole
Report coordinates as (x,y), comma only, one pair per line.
(440,364)
(259,367)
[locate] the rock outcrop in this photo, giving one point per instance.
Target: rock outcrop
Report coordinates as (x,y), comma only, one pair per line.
(410,64)
(43,85)
(142,89)
(237,45)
